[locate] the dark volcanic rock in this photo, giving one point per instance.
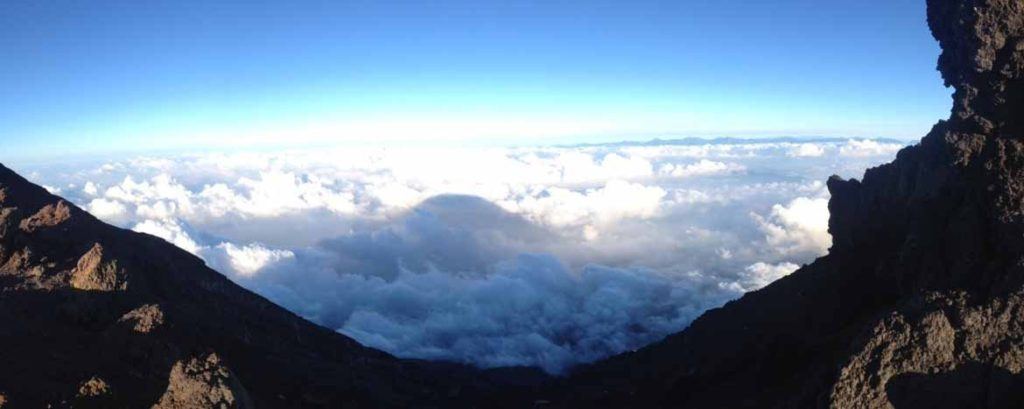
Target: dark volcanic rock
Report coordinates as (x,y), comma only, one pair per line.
(920,301)
(96,316)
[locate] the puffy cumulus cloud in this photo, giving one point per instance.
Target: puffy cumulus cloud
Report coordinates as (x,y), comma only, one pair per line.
(159,198)
(868,147)
(249,259)
(170,231)
(229,258)
(760,274)
(579,167)
(110,210)
(798,228)
(561,186)
(275,193)
(702,168)
(548,256)
(90,189)
(806,150)
(615,200)
(160,188)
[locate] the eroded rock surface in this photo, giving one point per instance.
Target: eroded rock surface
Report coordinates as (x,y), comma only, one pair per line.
(947,336)
(93,387)
(49,216)
(144,319)
(95,272)
(203,382)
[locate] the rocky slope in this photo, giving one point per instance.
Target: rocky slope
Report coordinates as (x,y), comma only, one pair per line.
(96,316)
(920,301)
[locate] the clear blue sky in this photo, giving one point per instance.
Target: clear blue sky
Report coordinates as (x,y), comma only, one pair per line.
(96,76)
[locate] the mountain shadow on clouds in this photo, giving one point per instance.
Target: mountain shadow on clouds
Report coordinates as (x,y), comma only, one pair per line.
(458,278)
(456,234)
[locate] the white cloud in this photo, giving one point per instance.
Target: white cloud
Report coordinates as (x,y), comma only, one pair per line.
(806,150)
(494,256)
(868,147)
(250,259)
(615,200)
(170,231)
(529,310)
(579,167)
(109,210)
(161,197)
(702,168)
(760,274)
(800,227)
(276,192)
(90,189)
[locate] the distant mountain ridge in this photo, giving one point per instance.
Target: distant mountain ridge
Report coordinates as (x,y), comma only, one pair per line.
(728,140)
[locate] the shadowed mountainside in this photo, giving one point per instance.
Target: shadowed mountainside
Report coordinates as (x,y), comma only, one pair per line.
(924,283)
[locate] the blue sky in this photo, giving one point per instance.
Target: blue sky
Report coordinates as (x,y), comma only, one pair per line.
(108,76)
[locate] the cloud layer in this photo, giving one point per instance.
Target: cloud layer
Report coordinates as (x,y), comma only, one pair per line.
(549,256)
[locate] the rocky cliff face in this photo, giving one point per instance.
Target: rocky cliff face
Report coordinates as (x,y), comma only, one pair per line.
(95,316)
(920,301)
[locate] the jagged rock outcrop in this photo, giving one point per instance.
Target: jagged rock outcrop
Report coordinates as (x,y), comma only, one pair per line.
(144,319)
(50,215)
(919,301)
(93,387)
(96,316)
(93,272)
(94,393)
(203,382)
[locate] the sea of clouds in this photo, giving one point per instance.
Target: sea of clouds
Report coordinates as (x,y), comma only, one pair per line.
(548,256)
